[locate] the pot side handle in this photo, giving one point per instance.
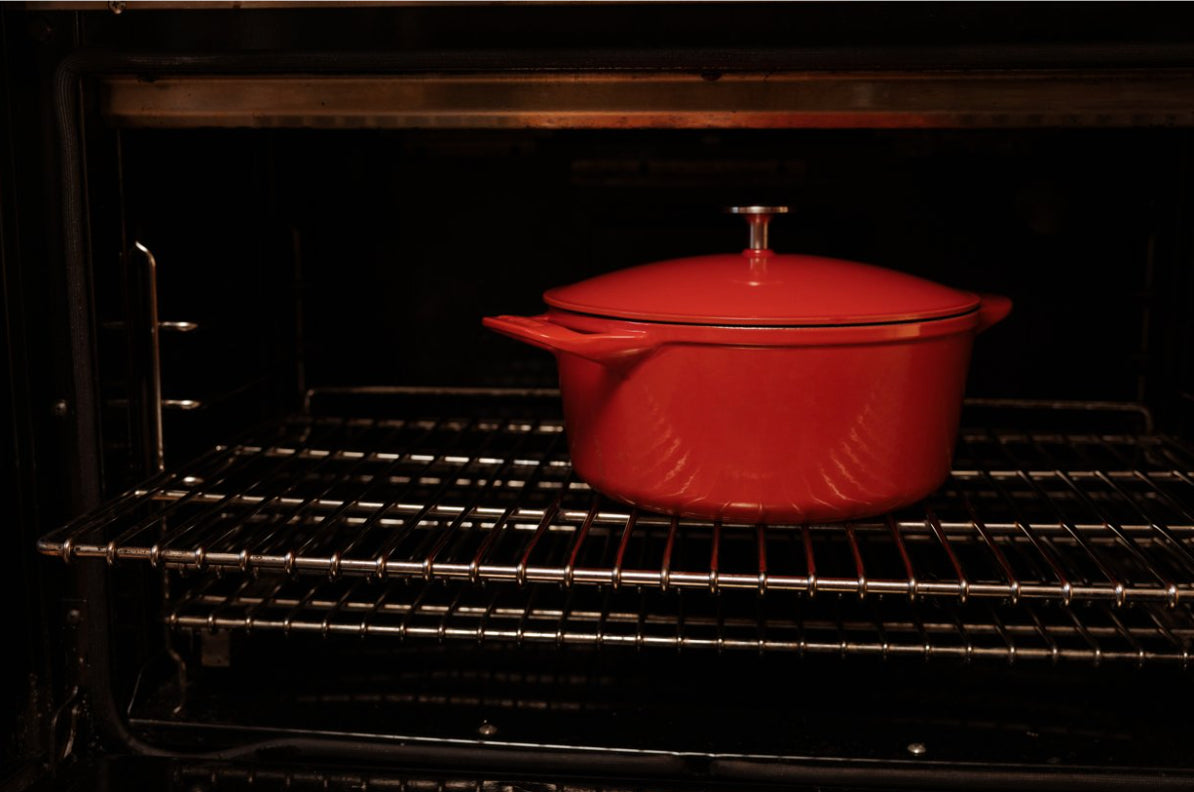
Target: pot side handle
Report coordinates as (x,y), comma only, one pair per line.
(992,310)
(540,331)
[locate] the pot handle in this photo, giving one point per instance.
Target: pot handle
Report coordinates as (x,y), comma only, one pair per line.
(540,331)
(992,310)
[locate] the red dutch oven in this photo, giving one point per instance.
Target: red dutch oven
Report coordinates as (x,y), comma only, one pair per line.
(760,387)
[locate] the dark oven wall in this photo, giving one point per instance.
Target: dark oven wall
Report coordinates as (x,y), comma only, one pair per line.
(350,258)
(397,243)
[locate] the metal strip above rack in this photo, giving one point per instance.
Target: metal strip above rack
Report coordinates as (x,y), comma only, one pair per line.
(583,98)
(1026,515)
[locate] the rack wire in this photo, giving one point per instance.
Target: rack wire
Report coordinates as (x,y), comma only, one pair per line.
(489,495)
(646,618)
(255,777)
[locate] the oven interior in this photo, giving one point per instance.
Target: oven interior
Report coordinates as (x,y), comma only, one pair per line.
(336,281)
(361,537)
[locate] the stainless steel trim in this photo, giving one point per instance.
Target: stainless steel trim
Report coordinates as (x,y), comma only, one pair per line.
(758,218)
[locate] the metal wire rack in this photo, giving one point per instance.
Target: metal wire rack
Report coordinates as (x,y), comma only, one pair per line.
(679,619)
(233,777)
(489,495)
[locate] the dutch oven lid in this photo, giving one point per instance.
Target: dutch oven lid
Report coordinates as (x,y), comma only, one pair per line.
(760,287)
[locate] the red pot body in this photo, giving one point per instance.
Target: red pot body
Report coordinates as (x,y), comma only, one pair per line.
(761,424)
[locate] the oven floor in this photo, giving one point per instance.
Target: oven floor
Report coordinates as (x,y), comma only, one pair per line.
(703,709)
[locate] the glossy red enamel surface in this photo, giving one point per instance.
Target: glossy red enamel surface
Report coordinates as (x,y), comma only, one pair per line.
(760,424)
(760,287)
(791,432)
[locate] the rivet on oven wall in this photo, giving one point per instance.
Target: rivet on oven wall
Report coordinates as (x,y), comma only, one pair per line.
(917,749)
(58,408)
(117,6)
(486,729)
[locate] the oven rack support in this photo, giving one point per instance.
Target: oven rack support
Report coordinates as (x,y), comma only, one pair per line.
(477,496)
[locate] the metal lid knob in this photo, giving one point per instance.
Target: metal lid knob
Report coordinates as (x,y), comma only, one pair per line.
(758,217)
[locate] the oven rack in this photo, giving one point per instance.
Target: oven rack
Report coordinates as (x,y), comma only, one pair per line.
(649,619)
(262,777)
(488,494)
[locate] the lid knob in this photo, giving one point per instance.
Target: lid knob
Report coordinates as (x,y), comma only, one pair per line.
(758,217)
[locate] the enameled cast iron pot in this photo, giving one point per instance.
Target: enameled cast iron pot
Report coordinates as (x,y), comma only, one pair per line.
(760,387)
